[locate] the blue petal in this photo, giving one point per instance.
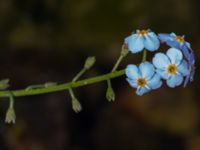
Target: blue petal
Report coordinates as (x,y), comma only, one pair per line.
(175,56)
(174,81)
(141,91)
(135,43)
(132,72)
(186,50)
(192,58)
(151,42)
(192,74)
(174,44)
(163,74)
(183,68)
(147,70)
(155,82)
(187,79)
(161,61)
(164,37)
(132,83)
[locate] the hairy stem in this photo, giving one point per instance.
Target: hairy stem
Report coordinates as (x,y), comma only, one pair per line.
(65,86)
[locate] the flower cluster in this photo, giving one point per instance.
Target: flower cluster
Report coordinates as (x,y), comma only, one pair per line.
(176,66)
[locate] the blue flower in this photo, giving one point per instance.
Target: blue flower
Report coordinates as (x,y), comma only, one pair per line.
(171,67)
(176,41)
(143,78)
(142,39)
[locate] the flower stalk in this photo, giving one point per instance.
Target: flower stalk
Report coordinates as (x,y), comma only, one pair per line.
(110,94)
(10,115)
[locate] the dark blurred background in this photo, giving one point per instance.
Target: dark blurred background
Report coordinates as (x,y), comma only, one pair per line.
(49,40)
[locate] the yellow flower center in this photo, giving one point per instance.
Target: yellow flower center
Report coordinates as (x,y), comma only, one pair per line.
(143,32)
(180,39)
(171,69)
(141,82)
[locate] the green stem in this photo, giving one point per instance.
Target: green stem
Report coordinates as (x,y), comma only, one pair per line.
(79,74)
(109,83)
(35,86)
(65,86)
(117,63)
(144,57)
(71,93)
(11,102)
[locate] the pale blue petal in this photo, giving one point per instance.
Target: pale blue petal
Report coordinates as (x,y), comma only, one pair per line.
(174,81)
(164,37)
(151,42)
(183,68)
(132,72)
(147,70)
(135,43)
(161,61)
(175,56)
(155,82)
(141,91)
(163,74)
(132,83)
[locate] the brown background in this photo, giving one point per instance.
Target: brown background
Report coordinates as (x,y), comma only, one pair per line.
(48,40)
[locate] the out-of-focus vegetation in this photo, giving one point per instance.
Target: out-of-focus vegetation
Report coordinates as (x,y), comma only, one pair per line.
(48,40)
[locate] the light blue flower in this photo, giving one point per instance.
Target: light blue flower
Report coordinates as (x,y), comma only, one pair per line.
(179,42)
(176,41)
(143,78)
(142,39)
(171,67)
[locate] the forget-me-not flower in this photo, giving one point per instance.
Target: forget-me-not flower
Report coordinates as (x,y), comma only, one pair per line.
(176,41)
(142,39)
(143,78)
(171,67)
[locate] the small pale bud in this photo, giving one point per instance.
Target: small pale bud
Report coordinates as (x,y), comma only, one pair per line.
(89,62)
(10,115)
(4,84)
(76,105)
(110,94)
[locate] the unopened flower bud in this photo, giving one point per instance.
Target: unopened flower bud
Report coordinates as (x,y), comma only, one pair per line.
(10,115)
(89,62)
(4,84)
(110,94)
(76,105)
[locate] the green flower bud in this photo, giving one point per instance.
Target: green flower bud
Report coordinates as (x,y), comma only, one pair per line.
(4,84)
(110,94)
(10,115)
(89,62)
(76,105)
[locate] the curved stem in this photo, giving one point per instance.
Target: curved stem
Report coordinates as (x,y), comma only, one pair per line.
(144,57)
(65,86)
